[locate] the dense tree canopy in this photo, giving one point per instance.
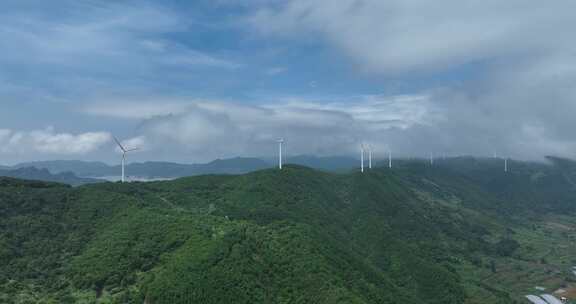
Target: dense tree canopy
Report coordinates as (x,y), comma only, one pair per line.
(413,234)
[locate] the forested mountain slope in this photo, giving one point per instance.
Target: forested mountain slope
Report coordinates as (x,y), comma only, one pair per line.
(462,231)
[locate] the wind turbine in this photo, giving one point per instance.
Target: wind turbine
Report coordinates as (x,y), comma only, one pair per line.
(506,164)
(431,159)
(280,141)
(369,157)
(362,158)
(124,152)
(390,158)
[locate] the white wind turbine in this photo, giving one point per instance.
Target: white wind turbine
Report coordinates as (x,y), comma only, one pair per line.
(390,158)
(362,148)
(124,152)
(369,156)
(280,142)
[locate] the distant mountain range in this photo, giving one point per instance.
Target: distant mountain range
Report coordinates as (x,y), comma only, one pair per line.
(162,170)
(32,173)
(78,167)
(76,172)
(151,169)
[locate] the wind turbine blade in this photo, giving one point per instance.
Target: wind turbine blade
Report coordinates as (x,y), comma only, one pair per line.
(118,143)
(133,149)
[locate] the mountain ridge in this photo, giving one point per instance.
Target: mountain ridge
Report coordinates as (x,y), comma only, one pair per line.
(162,169)
(32,173)
(414,234)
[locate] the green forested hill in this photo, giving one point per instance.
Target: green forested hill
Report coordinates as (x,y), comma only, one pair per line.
(462,231)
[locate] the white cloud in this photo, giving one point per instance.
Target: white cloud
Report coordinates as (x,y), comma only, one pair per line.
(415,35)
(445,121)
(208,129)
(47,141)
(378,111)
(142,109)
(520,101)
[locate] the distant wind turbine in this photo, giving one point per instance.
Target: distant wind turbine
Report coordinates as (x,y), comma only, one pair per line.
(390,158)
(280,141)
(506,164)
(362,158)
(431,159)
(124,152)
(369,157)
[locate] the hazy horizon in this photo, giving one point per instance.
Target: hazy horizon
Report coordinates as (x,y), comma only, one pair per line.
(273,160)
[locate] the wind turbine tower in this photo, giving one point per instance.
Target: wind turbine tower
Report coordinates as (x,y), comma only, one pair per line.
(124,152)
(362,158)
(369,157)
(280,143)
(506,164)
(390,159)
(431,159)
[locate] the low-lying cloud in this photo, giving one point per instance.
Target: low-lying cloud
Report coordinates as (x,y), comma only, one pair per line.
(206,130)
(442,122)
(49,142)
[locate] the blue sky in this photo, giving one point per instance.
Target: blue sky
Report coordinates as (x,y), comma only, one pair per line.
(192,81)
